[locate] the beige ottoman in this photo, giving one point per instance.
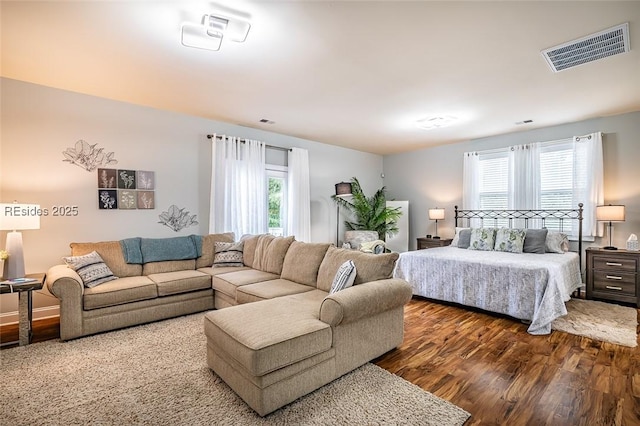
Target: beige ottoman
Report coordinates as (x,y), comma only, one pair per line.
(271,352)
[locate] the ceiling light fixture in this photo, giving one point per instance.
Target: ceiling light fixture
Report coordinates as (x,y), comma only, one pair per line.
(208,35)
(436,122)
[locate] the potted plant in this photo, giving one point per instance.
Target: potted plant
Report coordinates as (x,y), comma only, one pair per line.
(370,213)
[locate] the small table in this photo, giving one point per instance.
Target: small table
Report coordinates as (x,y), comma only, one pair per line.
(25,304)
(425,243)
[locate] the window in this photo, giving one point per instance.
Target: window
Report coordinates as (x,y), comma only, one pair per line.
(276,200)
(538,176)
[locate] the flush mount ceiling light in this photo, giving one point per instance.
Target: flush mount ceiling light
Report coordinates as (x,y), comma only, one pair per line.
(436,122)
(208,35)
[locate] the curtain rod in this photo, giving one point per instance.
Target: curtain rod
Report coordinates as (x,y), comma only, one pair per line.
(244,140)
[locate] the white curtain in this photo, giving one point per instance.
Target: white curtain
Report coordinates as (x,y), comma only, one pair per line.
(238,187)
(299,199)
(471,186)
(587,154)
(524,181)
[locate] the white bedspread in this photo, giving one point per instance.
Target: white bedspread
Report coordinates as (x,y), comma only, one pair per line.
(527,286)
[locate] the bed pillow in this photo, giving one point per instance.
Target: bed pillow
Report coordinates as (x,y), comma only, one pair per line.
(456,238)
(556,242)
(510,240)
(465,238)
(483,239)
(91,269)
(534,241)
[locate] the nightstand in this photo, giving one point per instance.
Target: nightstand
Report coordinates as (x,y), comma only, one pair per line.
(613,275)
(426,243)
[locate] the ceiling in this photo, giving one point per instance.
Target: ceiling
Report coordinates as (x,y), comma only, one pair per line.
(355,74)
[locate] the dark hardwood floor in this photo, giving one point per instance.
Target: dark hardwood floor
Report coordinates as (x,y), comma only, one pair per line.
(491,367)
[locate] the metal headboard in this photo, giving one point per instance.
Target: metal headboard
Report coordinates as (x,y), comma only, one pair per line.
(525,216)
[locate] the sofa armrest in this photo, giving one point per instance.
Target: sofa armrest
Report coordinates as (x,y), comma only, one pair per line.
(64,283)
(364,300)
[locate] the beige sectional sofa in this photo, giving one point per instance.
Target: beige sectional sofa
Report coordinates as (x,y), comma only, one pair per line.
(276,333)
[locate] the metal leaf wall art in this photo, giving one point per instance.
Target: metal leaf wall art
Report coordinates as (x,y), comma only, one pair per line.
(177,218)
(87,156)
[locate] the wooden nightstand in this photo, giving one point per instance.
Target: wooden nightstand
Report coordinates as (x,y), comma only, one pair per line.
(425,243)
(613,275)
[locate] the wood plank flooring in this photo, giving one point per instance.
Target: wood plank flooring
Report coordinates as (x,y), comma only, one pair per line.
(491,367)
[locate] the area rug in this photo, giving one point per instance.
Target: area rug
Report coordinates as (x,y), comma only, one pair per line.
(156,374)
(606,322)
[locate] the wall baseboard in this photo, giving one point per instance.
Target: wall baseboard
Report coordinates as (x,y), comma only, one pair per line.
(38,313)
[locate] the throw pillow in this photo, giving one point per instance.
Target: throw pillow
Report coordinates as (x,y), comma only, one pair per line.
(456,237)
(228,254)
(534,241)
(465,238)
(482,239)
(91,268)
(345,277)
(510,240)
(556,242)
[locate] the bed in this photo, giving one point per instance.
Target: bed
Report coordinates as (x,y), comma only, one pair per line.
(527,286)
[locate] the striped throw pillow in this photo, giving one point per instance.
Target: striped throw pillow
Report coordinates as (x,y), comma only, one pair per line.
(345,277)
(91,268)
(228,254)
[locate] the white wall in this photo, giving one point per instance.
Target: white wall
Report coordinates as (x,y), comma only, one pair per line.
(39,123)
(433,177)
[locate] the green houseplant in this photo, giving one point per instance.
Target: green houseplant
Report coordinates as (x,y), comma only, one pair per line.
(369,213)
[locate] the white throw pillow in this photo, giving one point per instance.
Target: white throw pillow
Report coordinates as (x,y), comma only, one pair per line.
(556,242)
(91,268)
(345,277)
(228,254)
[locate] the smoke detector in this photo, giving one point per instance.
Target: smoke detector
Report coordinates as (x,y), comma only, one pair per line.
(609,42)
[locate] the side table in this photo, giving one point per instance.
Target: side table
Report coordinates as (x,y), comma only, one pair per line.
(425,243)
(25,304)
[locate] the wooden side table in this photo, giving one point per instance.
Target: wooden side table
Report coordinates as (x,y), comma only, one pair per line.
(426,243)
(25,304)
(613,275)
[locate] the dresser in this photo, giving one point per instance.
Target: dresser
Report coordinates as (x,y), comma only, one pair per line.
(425,243)
(613,275)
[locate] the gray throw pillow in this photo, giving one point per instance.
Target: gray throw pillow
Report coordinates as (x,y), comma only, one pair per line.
(228,254)
(91,269)
(534,241)
(464,240)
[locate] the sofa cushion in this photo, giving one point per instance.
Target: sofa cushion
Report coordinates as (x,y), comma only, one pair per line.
(229,282)
(270,253)
(228,254)
(266,336)
(111,253)
(269,290)
(180,282)
(118,292)
(302,262)
(222,270)
(168,266)
(208,247)
(249,251)
(91,269)
(370,267)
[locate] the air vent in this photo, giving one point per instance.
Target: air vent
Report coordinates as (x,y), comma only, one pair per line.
(609,42)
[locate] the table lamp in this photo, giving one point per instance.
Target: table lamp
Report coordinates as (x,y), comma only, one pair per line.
(610,213)
(17,217)
(436,214)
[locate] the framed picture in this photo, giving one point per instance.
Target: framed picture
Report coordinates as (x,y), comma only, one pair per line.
(126,179)
(145,180)
(146,200)
(107,178)
(126,199)
(107,199)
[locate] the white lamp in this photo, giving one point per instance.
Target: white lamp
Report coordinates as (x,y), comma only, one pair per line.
(16,217)
(436,214)
(610,213)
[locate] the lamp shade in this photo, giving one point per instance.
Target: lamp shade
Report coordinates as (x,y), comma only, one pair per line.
(343,189)
(610,213)
(17,217)
(436,214)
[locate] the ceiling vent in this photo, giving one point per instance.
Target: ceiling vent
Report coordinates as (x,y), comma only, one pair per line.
(609,42)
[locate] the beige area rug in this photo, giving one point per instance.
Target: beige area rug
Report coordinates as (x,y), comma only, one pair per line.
(606,322)
(156,374)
